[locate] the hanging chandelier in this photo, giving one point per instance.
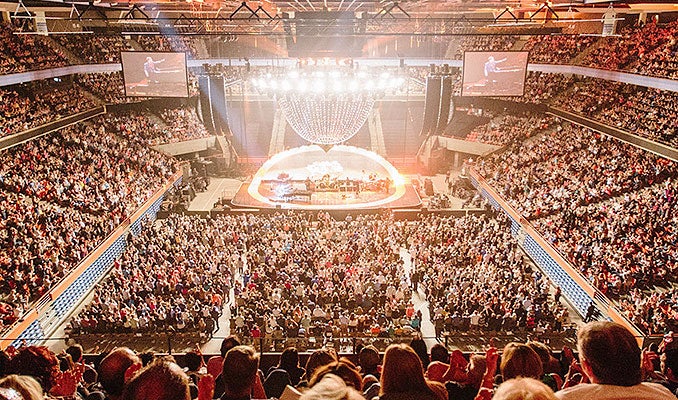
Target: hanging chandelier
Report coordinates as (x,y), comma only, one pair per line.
(326,107)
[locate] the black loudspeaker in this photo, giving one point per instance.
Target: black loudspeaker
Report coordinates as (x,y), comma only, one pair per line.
(431,105)
(445,102)
(205,104)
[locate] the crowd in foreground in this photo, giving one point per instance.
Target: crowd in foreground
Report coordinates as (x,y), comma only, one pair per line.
(609,365)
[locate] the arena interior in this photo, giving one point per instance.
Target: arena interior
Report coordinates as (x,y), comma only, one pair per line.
(337,178)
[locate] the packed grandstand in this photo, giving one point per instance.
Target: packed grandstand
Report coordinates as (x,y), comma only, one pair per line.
(567,216)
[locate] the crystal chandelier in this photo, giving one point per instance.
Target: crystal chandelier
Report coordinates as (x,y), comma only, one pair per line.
(325,119)
(326,107)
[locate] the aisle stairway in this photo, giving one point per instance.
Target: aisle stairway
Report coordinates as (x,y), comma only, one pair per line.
(72,58)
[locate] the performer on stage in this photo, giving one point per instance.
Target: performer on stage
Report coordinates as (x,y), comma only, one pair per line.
(491,68)
(151,69)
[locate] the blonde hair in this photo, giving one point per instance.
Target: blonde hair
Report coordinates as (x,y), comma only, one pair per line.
(26,385)
(523,389)
(331,387)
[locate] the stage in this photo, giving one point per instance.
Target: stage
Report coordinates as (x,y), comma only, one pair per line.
(340,178)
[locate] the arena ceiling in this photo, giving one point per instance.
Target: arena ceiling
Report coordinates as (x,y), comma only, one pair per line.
(370,17)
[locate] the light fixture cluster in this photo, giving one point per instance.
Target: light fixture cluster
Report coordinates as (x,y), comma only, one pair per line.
(327,82)
(326,106)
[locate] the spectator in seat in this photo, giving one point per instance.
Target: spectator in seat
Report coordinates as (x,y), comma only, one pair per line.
(523,389)
(369,360)
(28,387)
(161,380)
(37,362)
(239,373)
(610,357)
(113,368)
(519,360)
(214,364)
(468,378)
(317,360)
(289,362)
(331,387)
(402,376)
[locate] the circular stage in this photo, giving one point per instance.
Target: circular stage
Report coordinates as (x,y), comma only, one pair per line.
(341,178)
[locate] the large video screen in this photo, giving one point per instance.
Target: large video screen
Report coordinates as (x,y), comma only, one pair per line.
(154,74)
(494,73)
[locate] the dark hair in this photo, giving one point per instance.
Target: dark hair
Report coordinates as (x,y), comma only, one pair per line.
(289,359)
(419,347)
(228,343)
(192,361)
(4,363)
(113,367)
(318,359)
(369,358)
(240,369)
(402,372)
(65,362)
(75,351)
(671,360)
(519,360)
(440,353)
(612,353)
(38,362)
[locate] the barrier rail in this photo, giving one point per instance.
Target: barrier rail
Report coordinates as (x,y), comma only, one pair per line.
(575,287)
(55,305)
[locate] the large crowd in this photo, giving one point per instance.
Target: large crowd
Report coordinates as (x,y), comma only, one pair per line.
(30,106)
(646,49)
(505,129)
(19,53)
(107,86)
(87,169)
(170,125)
(646,112)
(582,190)
(477,279)
(95,48)
(174,275)
(60,196)
(297,275)
(608,207)
(556,49)
(193,47)
(458,45)
(541,87)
